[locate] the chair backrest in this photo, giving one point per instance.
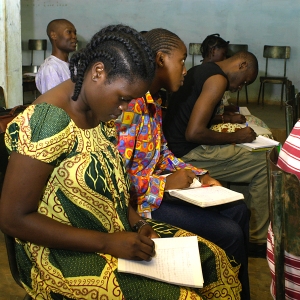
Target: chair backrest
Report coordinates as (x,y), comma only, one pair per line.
(276,52)
(234,48)
(194,49)
(39,45)
(284,201)
(30,69)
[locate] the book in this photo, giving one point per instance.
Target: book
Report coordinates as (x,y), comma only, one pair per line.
(206,196)
(261,143)
(177,261)
(258,129)
(243,110)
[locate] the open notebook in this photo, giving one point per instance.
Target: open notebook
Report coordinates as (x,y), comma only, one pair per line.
(261,143)
(177,261)
(206,196)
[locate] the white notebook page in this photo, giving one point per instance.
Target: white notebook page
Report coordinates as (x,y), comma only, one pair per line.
(207,196)
(177,261)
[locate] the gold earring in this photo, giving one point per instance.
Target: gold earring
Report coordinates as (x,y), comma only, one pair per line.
(94,77)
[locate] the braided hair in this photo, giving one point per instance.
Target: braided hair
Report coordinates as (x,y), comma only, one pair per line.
(210,42)
(123,51)
(162,40)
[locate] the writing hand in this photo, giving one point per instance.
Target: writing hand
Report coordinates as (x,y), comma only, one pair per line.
(237,118)
(180,179)
(149,232)
(209,181)
(244,135)
(129,245)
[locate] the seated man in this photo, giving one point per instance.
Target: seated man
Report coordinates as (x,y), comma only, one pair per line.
(288,161)
(187,124)
(55,69)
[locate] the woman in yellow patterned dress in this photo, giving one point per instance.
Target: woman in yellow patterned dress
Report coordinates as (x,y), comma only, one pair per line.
(66,194)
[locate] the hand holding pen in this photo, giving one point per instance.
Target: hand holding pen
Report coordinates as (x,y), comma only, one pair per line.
(181,178)
(172,165)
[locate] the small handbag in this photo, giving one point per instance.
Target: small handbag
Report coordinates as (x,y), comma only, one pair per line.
(7,115)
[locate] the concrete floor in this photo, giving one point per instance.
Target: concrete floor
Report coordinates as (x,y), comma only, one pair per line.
(259,273)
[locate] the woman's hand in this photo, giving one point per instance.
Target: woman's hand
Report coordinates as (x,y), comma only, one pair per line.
(237,118)
(207,180)
(180,179)
(130,245)
(149,232)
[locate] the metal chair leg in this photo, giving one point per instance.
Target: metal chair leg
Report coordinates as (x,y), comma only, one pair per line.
(246,91)
(281,99)
(259,93)
(263,94)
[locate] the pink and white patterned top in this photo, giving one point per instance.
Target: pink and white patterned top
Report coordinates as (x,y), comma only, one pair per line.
(289,161)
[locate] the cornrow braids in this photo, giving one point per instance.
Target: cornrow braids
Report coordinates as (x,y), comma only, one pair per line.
(210,42)
(162,40)
(123,51)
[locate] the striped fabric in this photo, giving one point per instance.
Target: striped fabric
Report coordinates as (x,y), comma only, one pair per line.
(289,161)
(292,270)
(289,158)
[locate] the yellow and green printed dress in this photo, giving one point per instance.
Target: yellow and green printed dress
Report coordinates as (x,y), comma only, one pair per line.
(89,189)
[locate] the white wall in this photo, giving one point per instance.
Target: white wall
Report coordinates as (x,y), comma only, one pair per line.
(10,48)
(252,22)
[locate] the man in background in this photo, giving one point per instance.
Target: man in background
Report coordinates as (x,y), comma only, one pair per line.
(55,69)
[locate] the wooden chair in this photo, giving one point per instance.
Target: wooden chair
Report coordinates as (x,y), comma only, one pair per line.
(232,49)
(194,49)
(284,204)
(274,52)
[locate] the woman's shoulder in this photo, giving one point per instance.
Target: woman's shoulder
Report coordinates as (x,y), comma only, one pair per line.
(46,112)
(43,118)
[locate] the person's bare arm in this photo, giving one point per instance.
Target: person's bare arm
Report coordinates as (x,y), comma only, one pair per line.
(228,118)
(197,131)
(22,190)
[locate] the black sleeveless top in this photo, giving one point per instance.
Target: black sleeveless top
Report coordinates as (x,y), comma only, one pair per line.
(181,105)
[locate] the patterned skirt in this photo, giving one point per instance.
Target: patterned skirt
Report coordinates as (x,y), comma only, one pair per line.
(62,275)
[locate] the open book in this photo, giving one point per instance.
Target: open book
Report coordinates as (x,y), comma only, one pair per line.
(207,196)
(261,143)
(177,261)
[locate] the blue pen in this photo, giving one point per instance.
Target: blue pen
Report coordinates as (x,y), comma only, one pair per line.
(246,124)
(171,164)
